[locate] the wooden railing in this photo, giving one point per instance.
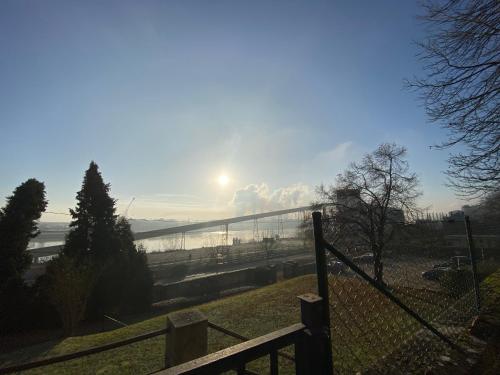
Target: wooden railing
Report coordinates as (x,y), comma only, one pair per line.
(309,338)
(236,357)
(80,354)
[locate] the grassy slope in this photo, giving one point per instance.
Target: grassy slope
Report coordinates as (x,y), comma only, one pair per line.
(489,363)
(491,294)
(251,314)
(366,327)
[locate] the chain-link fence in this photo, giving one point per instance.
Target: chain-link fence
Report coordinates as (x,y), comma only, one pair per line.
(373,334)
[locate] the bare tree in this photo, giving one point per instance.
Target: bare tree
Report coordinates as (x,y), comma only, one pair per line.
(370,199)
(462,60)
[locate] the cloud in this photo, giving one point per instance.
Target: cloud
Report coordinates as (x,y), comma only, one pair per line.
(291,196)
(259,198)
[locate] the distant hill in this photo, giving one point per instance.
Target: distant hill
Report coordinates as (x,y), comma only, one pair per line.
(51,232)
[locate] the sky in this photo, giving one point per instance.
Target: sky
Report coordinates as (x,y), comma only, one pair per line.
(167,96)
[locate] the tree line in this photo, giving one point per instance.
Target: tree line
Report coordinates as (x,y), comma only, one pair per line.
(99,270)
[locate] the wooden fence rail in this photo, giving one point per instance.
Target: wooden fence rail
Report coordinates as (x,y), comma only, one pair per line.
(308,338)
(80,354)
(235,357)
(301,335)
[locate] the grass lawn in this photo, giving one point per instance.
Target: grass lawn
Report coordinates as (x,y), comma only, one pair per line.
(489,363)
(366,327)
(251,314)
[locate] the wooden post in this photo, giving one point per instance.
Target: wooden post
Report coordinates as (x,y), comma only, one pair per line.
(186,338)
(313,351)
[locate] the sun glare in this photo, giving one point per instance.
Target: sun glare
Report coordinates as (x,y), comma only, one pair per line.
(223,180)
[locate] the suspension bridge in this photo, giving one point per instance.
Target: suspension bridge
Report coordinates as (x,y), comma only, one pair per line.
(183,229)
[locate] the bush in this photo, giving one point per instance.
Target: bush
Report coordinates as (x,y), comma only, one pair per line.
(15,301)
(26,307)
(123,286)
(69,286)
(138,284)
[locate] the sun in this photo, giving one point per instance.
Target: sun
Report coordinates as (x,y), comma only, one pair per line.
(223,180)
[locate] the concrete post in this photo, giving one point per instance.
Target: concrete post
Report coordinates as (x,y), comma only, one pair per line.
(186,338)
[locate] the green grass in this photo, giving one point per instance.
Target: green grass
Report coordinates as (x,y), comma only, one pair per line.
(366,327)
(489,363)
(491,288)
(490,295)
(251,314)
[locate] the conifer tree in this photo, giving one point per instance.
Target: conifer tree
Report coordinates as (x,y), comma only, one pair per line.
(93,226)
(101,240)
(18,225)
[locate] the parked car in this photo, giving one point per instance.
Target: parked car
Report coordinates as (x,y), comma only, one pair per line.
(436,273)
(442,265)
(455,262)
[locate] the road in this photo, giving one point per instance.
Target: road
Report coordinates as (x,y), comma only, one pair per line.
(299,258)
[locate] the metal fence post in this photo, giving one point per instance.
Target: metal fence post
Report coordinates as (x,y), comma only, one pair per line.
(323,283)
(311,352)
(472,254)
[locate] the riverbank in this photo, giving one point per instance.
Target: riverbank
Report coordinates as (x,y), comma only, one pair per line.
(176,265)
(172,265)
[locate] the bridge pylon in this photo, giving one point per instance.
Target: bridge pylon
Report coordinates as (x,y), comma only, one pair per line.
(281,230)
(183,241)
(255,229)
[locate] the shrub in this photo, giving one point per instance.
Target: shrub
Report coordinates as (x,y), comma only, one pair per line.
(69,287)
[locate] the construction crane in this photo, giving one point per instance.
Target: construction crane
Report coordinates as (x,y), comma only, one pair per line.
(128,206)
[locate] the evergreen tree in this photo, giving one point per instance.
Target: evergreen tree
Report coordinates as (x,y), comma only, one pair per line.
(18,225)
(125,237)
(99,239)
(93,226)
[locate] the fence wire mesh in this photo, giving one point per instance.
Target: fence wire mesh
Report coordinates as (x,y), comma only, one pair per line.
(371,334)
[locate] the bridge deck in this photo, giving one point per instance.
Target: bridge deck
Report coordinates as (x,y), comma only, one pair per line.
(214,223)
(49,250)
